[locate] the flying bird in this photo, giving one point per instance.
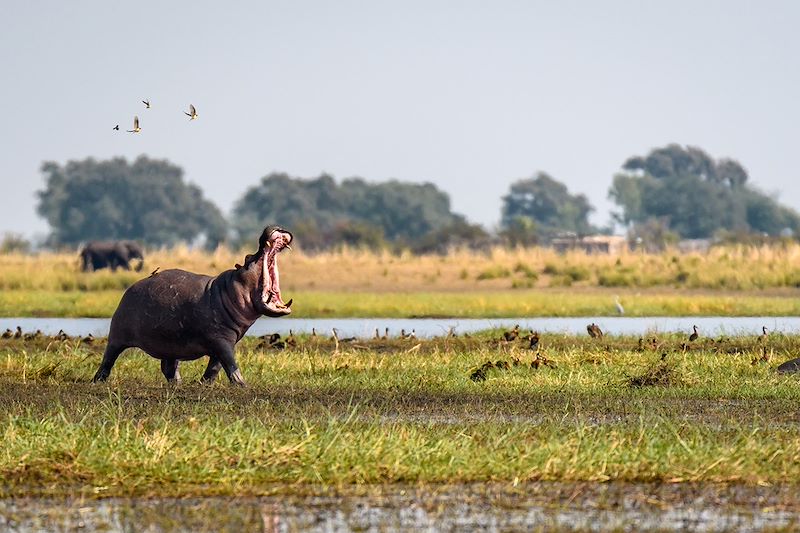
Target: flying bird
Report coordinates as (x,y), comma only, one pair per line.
(146,104)
(116,127)
(136,128)
(192,114)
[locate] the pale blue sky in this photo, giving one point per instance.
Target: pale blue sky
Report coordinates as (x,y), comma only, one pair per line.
(467,95)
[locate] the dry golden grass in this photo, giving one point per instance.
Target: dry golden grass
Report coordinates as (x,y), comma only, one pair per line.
(725,268)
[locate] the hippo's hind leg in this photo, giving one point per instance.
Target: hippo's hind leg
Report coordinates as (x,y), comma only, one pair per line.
(109,358)
(224,354)
(213,368)
(169,367)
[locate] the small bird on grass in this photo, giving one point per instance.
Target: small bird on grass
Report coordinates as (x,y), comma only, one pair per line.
(7,334)
(32,336)
(192,114)
(479,374)
(511,334)
(693,337)
(594,331)
(620,309)
(136,128)
(291,340)
(335,337)
(533,340)
(765,357)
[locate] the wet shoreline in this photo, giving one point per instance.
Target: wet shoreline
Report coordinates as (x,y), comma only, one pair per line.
(364,328)
(551,506)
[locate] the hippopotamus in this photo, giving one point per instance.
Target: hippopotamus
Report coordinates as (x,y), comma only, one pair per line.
(175,315)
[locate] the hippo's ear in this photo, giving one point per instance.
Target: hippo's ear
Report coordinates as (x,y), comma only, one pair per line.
(249,258)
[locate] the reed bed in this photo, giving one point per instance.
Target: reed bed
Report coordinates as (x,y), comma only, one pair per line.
(736,281)
(731,268)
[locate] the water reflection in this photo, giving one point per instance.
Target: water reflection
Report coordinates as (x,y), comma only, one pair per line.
(431,327)
(595,507)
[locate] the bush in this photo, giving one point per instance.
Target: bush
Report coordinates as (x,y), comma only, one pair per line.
(494,272)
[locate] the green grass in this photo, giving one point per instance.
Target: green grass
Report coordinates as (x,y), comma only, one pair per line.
(399,411)
(466,304)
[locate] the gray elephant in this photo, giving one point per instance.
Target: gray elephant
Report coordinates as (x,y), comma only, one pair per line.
(111,254)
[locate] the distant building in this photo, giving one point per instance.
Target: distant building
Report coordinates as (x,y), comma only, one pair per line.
(591,244)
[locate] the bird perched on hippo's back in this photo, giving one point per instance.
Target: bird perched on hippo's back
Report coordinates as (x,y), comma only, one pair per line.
(180,316)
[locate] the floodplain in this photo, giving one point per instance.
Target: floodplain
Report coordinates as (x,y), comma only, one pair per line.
(446,410)
(496,282)
(558,434)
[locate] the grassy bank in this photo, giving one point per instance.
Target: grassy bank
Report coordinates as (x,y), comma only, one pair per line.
(476,304)
(735,268)
(400,411)
(736,281)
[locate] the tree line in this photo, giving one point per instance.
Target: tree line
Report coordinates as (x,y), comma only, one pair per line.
(672,192)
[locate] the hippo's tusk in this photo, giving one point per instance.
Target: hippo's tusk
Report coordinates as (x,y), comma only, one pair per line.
(289,303)
(288,246)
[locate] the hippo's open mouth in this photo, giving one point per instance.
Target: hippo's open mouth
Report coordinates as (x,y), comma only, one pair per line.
(270,279)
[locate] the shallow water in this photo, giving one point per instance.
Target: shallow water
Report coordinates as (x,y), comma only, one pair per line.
(539,506)
(432,327)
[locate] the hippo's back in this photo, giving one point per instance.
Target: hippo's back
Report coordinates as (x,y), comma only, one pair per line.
(163,308)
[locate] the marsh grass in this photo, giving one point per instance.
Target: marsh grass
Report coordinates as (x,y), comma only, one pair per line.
(525,302)
(722,268)
(495,283)
(398,411)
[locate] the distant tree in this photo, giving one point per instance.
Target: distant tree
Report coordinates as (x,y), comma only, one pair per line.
(694,195)
(459,234)
(322,213)
(357,235)
(547,203)
(14,243)
(147,200)
(652,235)
(520,231)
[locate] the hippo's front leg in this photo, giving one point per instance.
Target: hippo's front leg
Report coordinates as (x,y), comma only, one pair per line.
(224,354)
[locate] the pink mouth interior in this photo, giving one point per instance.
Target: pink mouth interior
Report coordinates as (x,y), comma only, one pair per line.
(270,281)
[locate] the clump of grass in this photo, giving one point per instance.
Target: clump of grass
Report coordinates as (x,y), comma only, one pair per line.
(494,272)
(526,271)
(662,374)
